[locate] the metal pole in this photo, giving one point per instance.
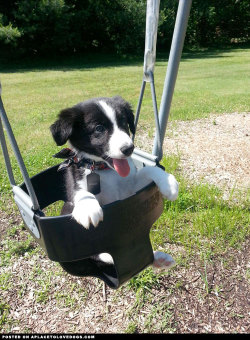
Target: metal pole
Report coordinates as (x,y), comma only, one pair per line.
(138,110)
(157,122)
(6,155)
(18,157)
(172,69)
(152,18)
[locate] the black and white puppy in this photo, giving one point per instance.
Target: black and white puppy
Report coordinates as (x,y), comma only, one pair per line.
(98,130)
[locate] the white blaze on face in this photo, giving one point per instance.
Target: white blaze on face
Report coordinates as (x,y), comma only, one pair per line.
(119,138)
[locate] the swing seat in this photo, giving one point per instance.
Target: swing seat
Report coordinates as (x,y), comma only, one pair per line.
(124,232)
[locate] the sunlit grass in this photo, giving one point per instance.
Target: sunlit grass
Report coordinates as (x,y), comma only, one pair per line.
(33,96)
(200,219)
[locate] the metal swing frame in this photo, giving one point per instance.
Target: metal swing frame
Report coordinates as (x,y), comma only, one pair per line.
(125,230)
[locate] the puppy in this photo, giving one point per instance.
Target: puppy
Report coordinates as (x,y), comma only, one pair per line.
(98,132)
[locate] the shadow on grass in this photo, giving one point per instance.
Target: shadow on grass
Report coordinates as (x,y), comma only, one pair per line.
(89,61)
(69,63)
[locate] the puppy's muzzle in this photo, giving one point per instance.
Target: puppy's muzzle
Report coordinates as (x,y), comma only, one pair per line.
(127,150)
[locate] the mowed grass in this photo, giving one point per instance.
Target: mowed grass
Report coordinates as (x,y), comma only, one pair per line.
(200,220)
(33,95)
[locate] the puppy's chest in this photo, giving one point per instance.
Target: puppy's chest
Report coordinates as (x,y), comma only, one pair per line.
(112,186)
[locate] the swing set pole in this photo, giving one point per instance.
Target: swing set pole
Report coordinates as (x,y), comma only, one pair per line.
(172,70)
(4,122)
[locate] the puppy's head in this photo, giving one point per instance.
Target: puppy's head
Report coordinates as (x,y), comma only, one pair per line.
(99,129)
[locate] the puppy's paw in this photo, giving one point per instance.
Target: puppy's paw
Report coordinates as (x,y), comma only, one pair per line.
(88,211)
(162,260)
(169,187)
(105,257)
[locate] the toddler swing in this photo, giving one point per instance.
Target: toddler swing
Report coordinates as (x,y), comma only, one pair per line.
(124,232)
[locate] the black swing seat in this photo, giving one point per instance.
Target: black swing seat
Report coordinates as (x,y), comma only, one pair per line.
(124,232)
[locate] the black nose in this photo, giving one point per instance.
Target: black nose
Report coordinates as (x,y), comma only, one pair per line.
(127,150)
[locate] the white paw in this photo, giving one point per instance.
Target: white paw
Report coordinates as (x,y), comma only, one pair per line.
(106,257)
(88,211)
(162,260)
(169,187)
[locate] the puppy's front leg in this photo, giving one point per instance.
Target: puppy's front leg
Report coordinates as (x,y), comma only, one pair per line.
(166,183)
(87,209)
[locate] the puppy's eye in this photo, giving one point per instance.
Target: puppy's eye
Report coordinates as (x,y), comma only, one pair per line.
(99,128)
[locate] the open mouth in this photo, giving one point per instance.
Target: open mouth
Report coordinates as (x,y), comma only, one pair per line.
(121,166)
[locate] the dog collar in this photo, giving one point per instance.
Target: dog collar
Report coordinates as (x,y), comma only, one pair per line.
(72,158)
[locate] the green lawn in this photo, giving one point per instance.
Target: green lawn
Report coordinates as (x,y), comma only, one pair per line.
(207,83)
(33,95)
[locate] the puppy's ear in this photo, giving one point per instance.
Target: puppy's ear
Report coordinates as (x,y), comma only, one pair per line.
(127,109)
(130,117)
(62,128)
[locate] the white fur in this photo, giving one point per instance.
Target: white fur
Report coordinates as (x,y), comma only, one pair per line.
(166,183)
(119,138)
(87,209)
(106,257)
(109,112)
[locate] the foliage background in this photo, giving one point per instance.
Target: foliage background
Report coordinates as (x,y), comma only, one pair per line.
(61,27)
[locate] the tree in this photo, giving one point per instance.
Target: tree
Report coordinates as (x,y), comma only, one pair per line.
(46,27)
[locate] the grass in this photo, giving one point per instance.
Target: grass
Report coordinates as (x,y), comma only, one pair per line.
(199,224)
(33,96)
(200,219)
(159,320)
(4,311)
(12,246)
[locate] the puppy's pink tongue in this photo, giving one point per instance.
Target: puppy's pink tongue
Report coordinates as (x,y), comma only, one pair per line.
(121,166)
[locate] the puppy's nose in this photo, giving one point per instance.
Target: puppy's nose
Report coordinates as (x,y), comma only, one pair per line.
(127,150)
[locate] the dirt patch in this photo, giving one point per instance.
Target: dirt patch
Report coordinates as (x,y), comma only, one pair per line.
(182,302)
(215,298)
(215,150)
(8,220)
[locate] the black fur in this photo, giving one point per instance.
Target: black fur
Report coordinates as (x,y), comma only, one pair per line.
(80,126)
(78,123)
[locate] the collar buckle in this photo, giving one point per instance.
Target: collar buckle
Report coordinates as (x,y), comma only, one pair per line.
(92,167)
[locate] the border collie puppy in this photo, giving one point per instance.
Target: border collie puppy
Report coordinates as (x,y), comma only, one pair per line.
(98,131)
